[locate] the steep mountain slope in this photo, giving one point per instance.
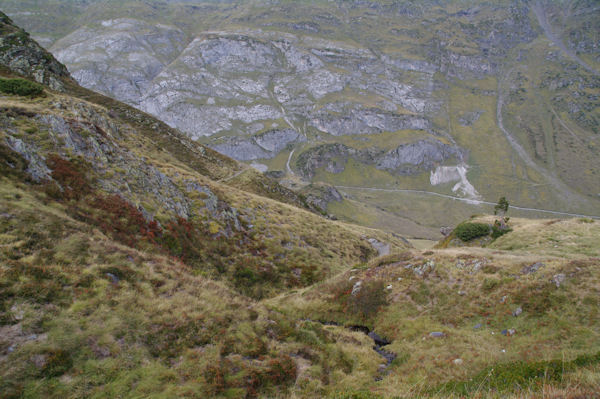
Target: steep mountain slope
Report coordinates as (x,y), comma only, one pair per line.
(470,99)
(132,264)
(109,149)
(122,251)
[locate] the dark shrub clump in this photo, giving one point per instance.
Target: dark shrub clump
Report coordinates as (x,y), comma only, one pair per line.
(21,87)
(470,231)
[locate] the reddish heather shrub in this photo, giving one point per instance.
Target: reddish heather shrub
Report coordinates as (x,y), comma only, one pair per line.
(70,176)
(118,218)
(282,370)
(215,378)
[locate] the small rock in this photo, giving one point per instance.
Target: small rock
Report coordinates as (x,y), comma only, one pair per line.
(458,361)
(437,334)
(517,311)
(389,287)
(446,231)
(503,351)
(356,288)
(18,313)
(559,279)
(399,278)
(11,348)
(113,279)
(461,293)
(39,360)
(532,268)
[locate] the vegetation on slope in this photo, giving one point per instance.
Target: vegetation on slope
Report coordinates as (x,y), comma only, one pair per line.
(21,87)
(128,270)
(85,316)
(476,321)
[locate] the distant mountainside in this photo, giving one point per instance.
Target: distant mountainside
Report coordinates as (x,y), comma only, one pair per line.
(136,262)
(470,99)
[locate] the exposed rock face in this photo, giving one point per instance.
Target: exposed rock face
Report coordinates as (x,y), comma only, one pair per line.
(363,74)
(95,142)
(224,83)
(424,154)
(264,145)
(120,57)
(36,167)
(330,156)
(406,159)
(381,247)
(349,119)
(321,195)
(22,55)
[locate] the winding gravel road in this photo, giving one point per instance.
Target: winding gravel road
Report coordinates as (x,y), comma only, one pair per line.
(540,14)
(467,200)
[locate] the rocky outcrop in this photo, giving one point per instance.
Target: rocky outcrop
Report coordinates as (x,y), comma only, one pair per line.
(36,165)
(20,54)
(331,157)
(407,159)
(418,156)
(320,195)
(349,119)
(120,57)
(264,145)
(93,137)
(226,73)
(225,84)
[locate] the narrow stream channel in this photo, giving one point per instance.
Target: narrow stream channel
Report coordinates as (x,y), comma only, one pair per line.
(378,341)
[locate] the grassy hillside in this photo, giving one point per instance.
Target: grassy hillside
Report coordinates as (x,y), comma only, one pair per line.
(518,318)
(137,263)
(131,262)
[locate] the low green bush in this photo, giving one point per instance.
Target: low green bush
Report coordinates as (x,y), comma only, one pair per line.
(499,232)
(469,231)
(21,87)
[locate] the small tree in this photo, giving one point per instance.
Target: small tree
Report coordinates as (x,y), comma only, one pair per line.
(500,209)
